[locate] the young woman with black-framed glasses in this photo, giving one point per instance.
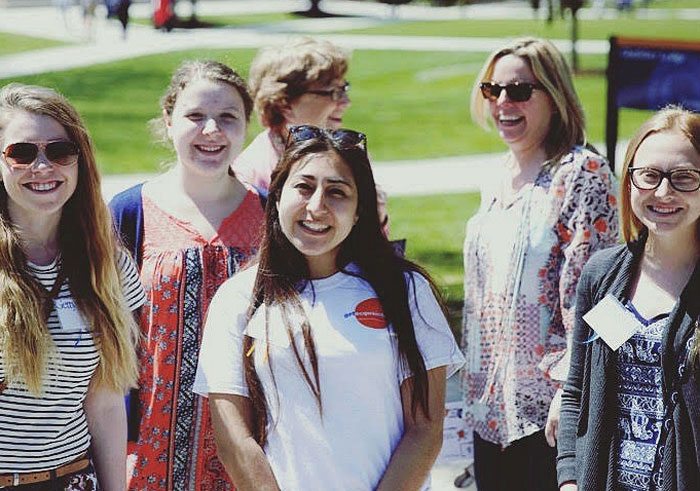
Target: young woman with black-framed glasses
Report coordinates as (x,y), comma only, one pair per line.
(630,417)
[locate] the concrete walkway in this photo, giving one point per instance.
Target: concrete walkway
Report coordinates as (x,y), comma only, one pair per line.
(106,43)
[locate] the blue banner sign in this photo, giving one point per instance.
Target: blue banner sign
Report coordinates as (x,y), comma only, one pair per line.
(658,74)
(650,74)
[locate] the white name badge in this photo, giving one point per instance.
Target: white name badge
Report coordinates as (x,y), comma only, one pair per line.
(612,321)
(68,314)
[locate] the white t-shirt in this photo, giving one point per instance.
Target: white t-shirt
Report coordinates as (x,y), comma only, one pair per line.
(348,447)
(47,431)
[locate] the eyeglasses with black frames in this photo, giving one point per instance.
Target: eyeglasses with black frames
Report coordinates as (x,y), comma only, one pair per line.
(648,178)
(336,93)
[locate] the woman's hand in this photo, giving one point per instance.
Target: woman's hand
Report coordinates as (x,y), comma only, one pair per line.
(551,429)
(568,486)
(106,417)
(232,420)
(420,444)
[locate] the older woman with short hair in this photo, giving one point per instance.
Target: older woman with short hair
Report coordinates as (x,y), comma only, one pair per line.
(300,82)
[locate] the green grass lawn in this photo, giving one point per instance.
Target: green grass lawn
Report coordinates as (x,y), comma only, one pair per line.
(674,4)
(412,105)
(435,237)
(14,43)
(559,29)
(234,20)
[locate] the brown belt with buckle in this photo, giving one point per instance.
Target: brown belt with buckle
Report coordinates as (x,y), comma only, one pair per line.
(19,478)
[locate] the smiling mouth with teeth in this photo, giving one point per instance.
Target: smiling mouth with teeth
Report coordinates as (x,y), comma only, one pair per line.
(509,119)
(664,209)
(314,227)
(209,148)
(43,186)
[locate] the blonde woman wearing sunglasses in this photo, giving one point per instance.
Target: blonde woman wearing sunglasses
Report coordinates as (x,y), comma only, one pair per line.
(66,331)
(325,366)
(551,206)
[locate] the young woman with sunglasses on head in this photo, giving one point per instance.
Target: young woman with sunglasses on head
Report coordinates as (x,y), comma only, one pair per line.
(325,366)
(66,331)
(630,416)
(552,205)
(299,82)
(191,228)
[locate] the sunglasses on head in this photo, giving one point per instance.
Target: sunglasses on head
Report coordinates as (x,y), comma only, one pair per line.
(342,138)
(336,93)
(517,91)
(23,155)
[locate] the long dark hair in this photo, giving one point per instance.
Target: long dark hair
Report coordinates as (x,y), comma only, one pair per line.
(283,271)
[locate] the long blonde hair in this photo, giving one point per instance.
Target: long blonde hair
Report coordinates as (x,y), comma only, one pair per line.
(568,125)
(89,262)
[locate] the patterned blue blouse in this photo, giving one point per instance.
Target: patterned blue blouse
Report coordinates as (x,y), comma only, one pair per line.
(641,406)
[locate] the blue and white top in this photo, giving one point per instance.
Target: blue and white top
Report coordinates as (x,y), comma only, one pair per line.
(641,406)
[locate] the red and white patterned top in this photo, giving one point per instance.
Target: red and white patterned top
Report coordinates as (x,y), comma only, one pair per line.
(181,271)
(522,261)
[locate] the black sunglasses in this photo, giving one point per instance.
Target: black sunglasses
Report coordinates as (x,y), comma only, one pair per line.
(517,91)
(648,178)
(336,93)
(23,155)
(342,138)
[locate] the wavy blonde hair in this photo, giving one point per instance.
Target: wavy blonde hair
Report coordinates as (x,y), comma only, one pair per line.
(568,125)
(89,261)
(280,74)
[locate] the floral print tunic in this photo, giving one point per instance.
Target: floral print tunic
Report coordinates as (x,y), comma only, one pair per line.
(181,272)
(522,260)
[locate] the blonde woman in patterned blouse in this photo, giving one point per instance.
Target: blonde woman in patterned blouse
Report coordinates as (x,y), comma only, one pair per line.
(551,206)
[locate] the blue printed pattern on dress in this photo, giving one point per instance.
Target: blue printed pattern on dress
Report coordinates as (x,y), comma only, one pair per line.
(641,407)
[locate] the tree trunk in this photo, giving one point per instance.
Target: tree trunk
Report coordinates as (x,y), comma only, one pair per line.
(314,6)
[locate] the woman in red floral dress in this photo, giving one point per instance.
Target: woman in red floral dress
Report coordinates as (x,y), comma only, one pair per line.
(198,226)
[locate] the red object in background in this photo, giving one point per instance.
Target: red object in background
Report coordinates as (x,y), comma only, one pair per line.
(163,13)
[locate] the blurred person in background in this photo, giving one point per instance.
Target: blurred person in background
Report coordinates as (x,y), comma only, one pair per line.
(190,228)
(630,414)
(300,82)
(66,331)
(551,206)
